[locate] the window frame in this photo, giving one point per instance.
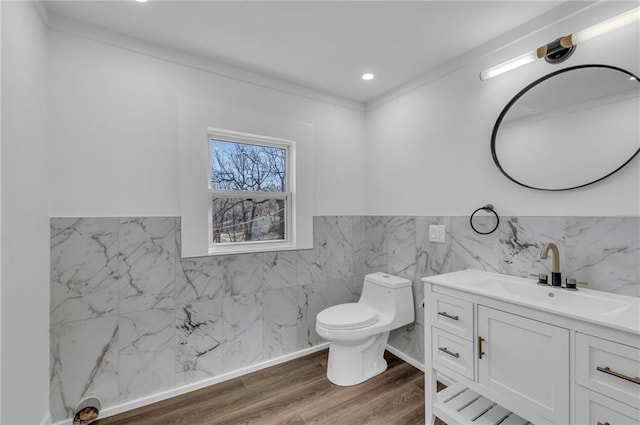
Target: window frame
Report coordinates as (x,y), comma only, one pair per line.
(289,195)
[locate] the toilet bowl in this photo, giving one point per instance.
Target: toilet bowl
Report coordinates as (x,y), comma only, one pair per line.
(358,332)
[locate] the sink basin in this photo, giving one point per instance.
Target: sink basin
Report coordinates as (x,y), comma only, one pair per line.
(579,301)
(618,311)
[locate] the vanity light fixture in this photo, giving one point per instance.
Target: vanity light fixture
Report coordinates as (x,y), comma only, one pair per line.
(559,50)
(368,76)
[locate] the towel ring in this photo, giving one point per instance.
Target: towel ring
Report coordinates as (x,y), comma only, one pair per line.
(488,208)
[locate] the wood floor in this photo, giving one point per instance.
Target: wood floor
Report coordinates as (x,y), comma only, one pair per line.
(293,393)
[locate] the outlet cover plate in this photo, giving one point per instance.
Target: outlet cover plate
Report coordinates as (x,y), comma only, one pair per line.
(437,233)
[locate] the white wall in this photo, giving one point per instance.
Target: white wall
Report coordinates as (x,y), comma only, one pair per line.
(0,214)
(25,217)
(115,131)
(428,151)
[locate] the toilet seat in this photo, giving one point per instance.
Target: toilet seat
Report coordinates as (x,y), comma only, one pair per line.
(347,316)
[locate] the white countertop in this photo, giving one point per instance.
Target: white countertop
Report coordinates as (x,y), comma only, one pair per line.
(603,308)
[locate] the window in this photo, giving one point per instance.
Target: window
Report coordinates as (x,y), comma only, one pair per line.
(200,123)
(250,190)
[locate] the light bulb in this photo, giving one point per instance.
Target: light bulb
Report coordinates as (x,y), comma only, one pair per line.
(606,26)
(509,65)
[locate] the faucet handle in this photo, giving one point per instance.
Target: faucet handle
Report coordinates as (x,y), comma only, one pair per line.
(543,279)
(571,283)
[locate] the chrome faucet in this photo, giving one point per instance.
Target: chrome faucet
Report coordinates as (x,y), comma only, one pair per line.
(556,278)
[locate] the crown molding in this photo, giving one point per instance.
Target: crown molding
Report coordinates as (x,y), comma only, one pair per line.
(531,32)
(90,32)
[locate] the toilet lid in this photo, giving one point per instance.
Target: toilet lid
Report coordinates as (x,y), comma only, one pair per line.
(347,316)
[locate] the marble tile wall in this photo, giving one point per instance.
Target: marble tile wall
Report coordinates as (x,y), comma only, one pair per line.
(603,251)
(131,318)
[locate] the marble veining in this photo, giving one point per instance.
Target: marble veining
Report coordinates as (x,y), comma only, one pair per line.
(130,318)
(280,321)
(83,361)
(401,247)
(472,250)
(146,353)
(84,268)
(242,330)
(147,263)
(605,252)
(280,269)
(311,301)
(375,243)
(312,263)
(358,240)
(199,337)
(339,247)
(242,273)
(199,279)
(341,291)
(521,240)
(432,257)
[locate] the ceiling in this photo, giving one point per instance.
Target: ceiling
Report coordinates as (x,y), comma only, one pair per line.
(323,45)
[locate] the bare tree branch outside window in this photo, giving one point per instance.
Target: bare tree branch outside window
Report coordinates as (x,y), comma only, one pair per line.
(251,168)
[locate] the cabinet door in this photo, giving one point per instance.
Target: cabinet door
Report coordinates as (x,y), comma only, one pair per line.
(525,361)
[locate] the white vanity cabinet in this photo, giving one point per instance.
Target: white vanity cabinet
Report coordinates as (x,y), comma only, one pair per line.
(608,382)
(527,359)
(534,359)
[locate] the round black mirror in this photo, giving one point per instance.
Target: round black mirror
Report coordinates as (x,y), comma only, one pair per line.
(569,129)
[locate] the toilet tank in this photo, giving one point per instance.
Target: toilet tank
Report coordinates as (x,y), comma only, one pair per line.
(390,295)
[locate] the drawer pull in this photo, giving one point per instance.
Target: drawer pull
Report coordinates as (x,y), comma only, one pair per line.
(635,380)
(600,423)
(480,352)
(444,350)
(447,315)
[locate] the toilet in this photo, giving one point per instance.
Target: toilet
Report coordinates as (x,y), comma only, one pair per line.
(358,332)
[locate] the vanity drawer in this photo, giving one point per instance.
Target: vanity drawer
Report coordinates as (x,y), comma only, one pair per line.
(453,353)
(593,409)
(452,315)
(608,368)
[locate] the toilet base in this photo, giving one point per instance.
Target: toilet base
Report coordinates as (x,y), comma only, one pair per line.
(352,363)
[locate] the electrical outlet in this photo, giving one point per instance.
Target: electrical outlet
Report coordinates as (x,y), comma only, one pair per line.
(437,233)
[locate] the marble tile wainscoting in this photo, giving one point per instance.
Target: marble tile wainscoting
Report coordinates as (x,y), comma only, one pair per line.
(130,318)
(602,251)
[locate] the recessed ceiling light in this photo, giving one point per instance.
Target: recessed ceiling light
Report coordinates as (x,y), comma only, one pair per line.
(141,1)
(368,76)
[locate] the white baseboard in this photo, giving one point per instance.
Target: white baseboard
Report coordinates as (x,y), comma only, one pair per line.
(413,362)
(46,420)
(144,401)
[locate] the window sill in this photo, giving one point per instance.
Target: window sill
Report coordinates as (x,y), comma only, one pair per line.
(251,248)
